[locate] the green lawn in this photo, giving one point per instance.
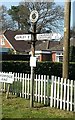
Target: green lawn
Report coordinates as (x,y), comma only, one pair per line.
(20,108)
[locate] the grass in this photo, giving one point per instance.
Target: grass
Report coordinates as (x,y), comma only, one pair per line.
(15,107)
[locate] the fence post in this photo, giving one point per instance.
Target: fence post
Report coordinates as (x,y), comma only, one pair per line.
(7,93)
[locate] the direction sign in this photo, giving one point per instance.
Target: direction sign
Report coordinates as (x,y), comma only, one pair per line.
(23,37)
(45,36)
(48,36)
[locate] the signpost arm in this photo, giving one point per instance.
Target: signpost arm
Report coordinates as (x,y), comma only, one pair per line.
(32,68)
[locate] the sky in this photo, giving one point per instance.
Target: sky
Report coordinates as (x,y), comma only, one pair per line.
(8,4)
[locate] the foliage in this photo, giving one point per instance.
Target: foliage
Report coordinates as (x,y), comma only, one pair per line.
(72,53)
(5,21)
(43,68)
(50,15)
(72,32)
(20,14)
(2,17)
(11,51)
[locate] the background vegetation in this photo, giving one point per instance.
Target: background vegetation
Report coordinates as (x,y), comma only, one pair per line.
(44,68)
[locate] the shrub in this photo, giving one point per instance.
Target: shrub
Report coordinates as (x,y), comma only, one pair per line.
(43,68)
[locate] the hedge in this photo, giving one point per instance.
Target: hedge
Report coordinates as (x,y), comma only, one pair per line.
(43,68)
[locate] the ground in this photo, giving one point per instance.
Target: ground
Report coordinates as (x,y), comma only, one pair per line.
(15,107)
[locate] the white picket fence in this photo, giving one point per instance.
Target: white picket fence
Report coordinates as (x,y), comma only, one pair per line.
(55,91)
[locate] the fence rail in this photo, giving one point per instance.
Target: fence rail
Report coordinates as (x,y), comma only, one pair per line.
(55,91)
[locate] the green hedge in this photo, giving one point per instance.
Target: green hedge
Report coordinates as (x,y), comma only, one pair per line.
(43,68)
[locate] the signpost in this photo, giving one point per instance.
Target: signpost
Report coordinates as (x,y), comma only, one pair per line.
(34,37)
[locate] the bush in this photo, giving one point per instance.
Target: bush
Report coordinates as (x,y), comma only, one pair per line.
(43,68)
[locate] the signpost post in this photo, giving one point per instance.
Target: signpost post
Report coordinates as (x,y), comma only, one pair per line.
(33,18)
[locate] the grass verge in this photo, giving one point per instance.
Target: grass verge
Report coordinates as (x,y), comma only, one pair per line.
(15,107)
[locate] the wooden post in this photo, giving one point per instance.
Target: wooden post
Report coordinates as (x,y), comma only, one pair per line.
(7,93)
(66,45)
(32,68)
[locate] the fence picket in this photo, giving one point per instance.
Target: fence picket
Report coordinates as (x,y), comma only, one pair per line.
(74,96)
(42,89)
(52,85)
(61,93)
(55,91)
(47,90)
(20,84)
(36,87)
(25,85)
(15,85)
(64,94)
(28,86)
(58,92)
(39,88)
(68,95)
(71,95)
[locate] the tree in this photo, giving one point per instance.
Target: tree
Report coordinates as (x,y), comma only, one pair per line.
(72,54)
(5,20)
(20,15)
(2,17)
(50,15)
(72,32)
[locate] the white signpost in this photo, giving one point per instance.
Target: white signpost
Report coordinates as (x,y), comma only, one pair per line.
(23,37)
